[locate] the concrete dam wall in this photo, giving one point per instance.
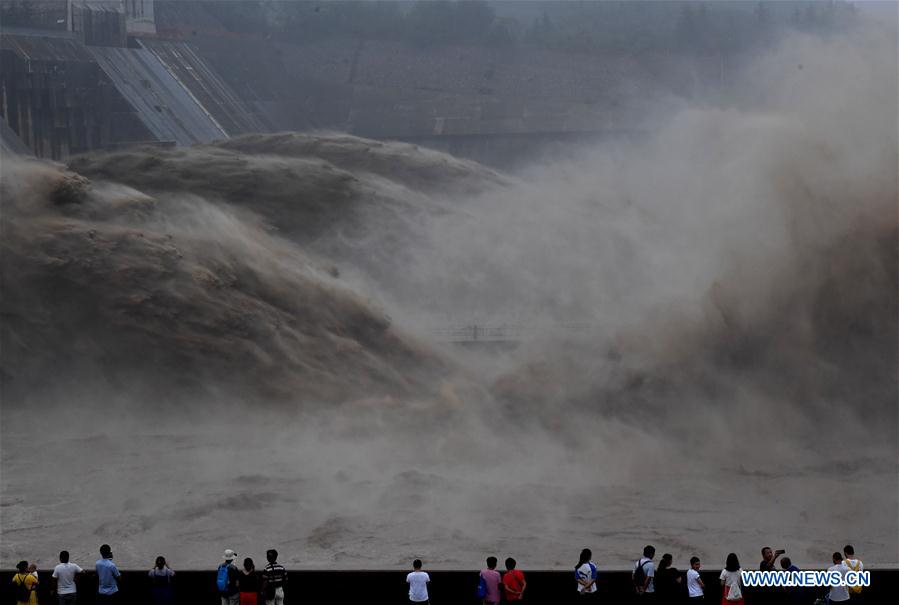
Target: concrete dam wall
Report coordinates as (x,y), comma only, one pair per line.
(61,97)
(175,75)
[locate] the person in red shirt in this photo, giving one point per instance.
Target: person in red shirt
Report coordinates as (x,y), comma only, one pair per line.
(513,581)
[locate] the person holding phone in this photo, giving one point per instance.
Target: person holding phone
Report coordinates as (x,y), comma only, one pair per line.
(161,579)
(769,594)
(109,577)
(769,557)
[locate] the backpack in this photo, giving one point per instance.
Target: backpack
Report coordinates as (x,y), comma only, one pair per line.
(857,589)
(23,592)
(222,579)
(640,576)
(732,583)
(482,587)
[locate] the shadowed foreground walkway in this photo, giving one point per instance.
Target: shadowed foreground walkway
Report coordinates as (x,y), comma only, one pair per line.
(389,588)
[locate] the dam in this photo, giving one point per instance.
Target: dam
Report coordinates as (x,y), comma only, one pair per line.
(80,76)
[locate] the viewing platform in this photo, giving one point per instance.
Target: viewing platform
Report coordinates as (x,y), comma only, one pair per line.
(380,587)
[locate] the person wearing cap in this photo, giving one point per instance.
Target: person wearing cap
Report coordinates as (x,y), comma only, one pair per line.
(230,594)
(109,576)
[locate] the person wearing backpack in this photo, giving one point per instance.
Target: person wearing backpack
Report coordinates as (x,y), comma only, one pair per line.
(226,579)
(24,585)
(644,573)
(489,583)
(585,574)
(855,592)
(731,581)
(161,578)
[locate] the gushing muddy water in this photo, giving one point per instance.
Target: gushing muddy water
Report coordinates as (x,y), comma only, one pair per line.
(234,345)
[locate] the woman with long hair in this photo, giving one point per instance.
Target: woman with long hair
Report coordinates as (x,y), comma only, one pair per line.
(248,583)
(585,573)
(668,581)
(161,577)
(731,582)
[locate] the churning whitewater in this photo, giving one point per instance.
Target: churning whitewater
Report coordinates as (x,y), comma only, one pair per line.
(242,342)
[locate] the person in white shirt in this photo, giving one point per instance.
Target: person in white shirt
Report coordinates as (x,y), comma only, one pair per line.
(64,579)
(732,581)
(838,594)
(644,573)
(695,587)
(850,560)
(585,573)
(418,583)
